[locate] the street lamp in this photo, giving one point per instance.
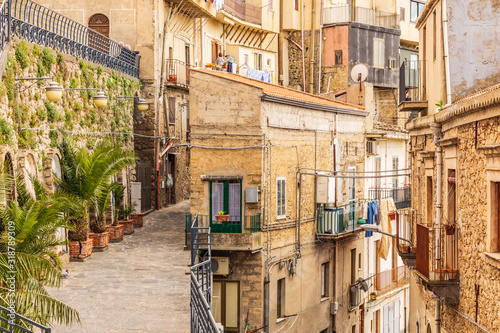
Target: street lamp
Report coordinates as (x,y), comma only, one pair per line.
(53,91)
(100,100)
(141,103)
(376,228)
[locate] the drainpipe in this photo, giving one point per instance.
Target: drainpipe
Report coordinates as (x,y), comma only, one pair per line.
(320,53)
(438,315)
(313,42)
(446,52)
(436,132)
(266,301)
(302,38)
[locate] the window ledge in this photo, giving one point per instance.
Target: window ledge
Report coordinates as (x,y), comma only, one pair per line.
(279,320)
(492,258)
(324,299)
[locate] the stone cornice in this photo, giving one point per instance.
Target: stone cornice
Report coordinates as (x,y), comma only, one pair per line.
(448,141)
(427,153)
(421,122)
(490,150)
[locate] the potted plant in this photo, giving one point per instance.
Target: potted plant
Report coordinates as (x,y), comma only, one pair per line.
(450,229)
(210,66)
(405,248)
(137,217)
(80,246)
(115,230)
(373,295)
(126,221)
(222,217)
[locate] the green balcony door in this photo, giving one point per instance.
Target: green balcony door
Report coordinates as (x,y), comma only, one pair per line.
(226,196)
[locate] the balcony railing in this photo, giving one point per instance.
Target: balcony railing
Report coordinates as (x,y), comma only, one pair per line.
(390,279)
(20,324)
(38,24)
(400,195)
(346,13)
(235,225)
(178,72)
(244,11)
(338,220)
(437,252)
(411,85)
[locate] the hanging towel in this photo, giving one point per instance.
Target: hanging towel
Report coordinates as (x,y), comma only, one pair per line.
(365,210)
(369,217)
(385,242)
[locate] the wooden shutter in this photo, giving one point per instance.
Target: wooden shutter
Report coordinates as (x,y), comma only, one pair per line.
(171,110)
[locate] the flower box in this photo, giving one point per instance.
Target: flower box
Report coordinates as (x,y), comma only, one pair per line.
(172,78)
(128,227)
(115,233)
(222,218)
(100,241)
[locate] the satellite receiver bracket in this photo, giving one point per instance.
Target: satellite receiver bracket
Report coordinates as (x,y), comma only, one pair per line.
(359,73)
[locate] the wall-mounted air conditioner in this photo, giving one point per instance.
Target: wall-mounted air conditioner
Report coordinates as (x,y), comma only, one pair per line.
(220,265)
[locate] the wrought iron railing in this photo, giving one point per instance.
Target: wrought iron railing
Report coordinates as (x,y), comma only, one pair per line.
(411,85)
(8,325)
(437,251)
(202,319)
(338,220)
(401,195)
(244,11)
(347,13)
(178,72)
(38,24)
(236,224)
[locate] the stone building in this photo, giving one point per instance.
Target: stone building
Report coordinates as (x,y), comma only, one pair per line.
(454,166)
(281,263)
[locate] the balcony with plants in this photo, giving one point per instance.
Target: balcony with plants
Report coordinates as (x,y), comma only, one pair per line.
(437,259)
(177,73)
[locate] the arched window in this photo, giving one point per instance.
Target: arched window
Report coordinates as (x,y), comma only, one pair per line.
(100,24)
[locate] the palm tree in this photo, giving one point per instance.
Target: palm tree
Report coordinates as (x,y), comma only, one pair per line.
(87,176)
(29,226)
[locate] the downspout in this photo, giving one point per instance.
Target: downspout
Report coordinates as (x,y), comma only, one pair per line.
(313,42)
(320,42)
(302,38)
(446,52)
(438,315)
(158,160)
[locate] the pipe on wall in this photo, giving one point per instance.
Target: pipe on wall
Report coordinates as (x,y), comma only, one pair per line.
(320,42)
(446,51)
(302,40)
(313,46)
(438,315)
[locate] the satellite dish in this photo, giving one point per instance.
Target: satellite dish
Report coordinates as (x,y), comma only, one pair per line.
(359,69)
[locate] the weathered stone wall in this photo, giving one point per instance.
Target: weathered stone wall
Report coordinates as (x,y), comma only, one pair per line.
(75,112)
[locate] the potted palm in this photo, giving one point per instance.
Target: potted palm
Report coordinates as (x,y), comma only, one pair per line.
(137,217)
(87,178)
(125,220)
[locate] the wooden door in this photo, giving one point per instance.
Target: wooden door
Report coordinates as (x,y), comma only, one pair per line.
(145,176)
(100,24)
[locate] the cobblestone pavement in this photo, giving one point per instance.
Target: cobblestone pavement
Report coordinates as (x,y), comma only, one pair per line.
(137,285)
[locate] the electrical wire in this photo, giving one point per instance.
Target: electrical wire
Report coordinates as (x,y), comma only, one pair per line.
(93,133)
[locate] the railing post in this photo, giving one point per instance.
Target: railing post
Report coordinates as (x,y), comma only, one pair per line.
(9,19)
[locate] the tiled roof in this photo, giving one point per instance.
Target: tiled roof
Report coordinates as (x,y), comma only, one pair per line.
(279,91)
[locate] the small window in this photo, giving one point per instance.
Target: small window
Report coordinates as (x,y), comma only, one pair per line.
(359,261)
(171,110)
(413,62)
(296,4)
(258,61)
(281,198)
(338,57)
(392,63)
(416,9)
(280,302)
(325,279)
(402,14)
(378,53)
(268,62)
(246,59)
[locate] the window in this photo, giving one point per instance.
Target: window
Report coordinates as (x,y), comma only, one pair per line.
(100,24)
(270,5)
(296,4)
(353,266)
(258,61)
(434,37)
(325,279)
(430,199)
(378,53)
(352,185)
(392,63)
(280,302)
(395,167)
(415,10)
(268,61)
(226,196)
(246,59)
(338,57)
(359,261)
(402,14)
(413,62)
(281,198)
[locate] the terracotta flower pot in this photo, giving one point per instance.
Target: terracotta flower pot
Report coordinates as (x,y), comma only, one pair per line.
(222,218)
(128,227)
(115,233)
(100,241)
(80,251)
(138,219)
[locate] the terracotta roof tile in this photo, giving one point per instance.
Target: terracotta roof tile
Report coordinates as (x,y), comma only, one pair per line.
(279,91)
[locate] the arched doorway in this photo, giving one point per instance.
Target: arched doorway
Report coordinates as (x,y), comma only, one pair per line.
(100,24)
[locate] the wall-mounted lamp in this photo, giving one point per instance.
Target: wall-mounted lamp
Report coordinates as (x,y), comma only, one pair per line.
(100,100)
(141,103)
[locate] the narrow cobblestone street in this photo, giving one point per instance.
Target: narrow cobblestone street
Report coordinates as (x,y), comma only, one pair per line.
(137,285)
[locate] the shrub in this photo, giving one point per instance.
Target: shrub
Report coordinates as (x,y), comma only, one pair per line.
(60,58)
(77,106)
(36,50)
(22,54)
(6,131)
(42,115)
(48,59)
(73,83)
(52,113)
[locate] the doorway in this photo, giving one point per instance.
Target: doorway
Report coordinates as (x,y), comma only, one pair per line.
(170,179)
(226,304)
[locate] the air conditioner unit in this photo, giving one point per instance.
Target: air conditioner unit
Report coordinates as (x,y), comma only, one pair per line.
(371,148)
(220,265)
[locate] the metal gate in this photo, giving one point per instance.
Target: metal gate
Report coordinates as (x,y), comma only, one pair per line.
(144,175)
